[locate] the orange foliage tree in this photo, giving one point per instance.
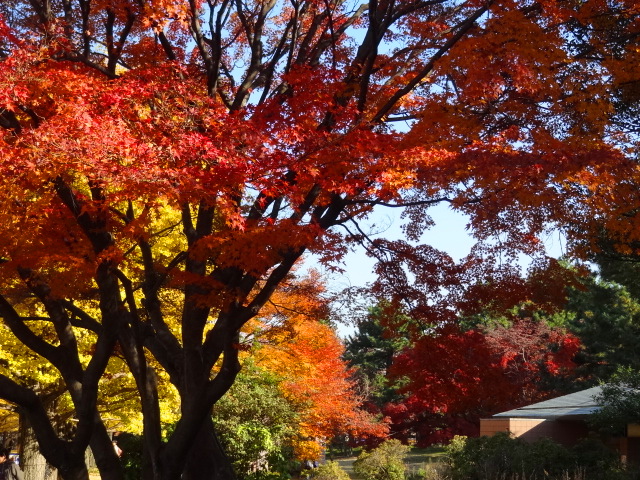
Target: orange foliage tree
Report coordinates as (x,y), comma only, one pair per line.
(307,355)
(292,342)
(165,163)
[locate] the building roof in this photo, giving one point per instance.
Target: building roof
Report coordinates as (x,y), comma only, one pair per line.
(574,405)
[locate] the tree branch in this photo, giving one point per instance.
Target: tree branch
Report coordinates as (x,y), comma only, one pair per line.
(462,29)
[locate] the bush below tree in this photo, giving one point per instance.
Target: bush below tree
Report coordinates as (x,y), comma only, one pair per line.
(328,471)
(504,457)
(383,463)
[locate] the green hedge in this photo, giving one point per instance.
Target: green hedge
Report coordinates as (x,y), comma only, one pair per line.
(502,456)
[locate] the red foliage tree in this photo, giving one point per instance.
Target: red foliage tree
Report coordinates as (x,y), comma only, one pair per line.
(456,377)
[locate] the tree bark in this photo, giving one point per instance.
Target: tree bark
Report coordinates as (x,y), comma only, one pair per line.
(104,454)
(74,471)
(206,459)
(32,463)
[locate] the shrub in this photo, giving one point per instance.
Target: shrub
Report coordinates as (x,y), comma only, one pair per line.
(430,472)
(598,460)
(328,471)
(383,463)
(501,456)
(131,459)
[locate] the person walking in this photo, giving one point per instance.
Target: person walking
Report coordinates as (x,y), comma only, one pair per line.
(9,470)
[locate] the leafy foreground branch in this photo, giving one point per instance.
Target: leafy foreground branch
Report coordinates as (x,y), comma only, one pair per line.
(164,165)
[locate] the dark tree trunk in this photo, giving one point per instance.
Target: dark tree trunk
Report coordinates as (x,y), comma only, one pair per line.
(206,459)
(68,461)
(146,383)
(104,454)
(74,469)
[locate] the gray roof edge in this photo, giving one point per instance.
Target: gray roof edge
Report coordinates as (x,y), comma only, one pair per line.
(577,403)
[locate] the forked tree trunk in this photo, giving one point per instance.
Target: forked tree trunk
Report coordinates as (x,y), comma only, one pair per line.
(106,459)
(74,471)
(207,459)
(69,466)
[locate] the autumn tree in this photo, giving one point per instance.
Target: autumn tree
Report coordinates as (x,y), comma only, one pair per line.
(318,383)
(455,377)
(164,165)
(602,314)
(308,396)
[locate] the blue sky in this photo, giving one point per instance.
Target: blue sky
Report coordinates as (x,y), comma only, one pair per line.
(449,234)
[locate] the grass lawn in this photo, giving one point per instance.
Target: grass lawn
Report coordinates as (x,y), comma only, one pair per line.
(418,458)
(421,457)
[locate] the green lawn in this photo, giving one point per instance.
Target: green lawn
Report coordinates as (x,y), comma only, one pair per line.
(418,458)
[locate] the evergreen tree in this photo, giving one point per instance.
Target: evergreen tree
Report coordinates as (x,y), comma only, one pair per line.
(370,351)
(606,318)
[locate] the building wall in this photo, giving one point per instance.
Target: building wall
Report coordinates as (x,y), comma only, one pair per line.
(531,429)
(565,432)
(491,426)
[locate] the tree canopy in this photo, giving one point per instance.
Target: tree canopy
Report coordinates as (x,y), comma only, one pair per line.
(164,164)
(456,377)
